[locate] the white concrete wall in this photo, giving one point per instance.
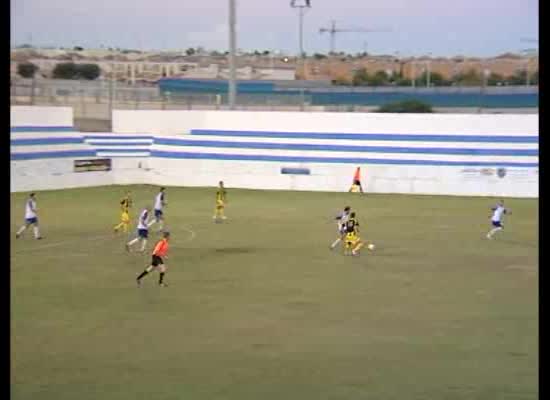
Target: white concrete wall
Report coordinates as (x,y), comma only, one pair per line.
(175,170)
(179,122)
(440,180)
(58,173)
(41,116)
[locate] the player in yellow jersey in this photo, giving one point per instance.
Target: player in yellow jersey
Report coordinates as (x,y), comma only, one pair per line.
(221,201)
(353,242)
(125,205)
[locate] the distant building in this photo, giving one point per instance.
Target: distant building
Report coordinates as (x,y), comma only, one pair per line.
(132,66)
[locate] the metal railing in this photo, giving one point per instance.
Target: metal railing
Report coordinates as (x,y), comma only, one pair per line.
(97,99)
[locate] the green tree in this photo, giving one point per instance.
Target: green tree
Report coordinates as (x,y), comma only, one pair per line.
(400,81)
(495,79)
(436,79)
(27,70)
(65,71)
(360,77)
(380,78)
(341,82)
(406,106)
(469,78)
(519,78)
(89,71)
(319,56)
(76,71)
(190,51)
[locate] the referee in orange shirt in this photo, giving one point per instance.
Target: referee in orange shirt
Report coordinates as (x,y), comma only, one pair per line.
(161,248)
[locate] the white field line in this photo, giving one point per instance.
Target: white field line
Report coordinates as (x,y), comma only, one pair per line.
(61,244)
(192,236)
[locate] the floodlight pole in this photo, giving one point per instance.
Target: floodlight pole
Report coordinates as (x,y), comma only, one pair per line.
(302,9)
(232,50)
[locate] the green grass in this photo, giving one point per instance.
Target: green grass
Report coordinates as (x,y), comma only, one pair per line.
(259,308)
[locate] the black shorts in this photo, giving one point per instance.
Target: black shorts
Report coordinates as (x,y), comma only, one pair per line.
(156,261)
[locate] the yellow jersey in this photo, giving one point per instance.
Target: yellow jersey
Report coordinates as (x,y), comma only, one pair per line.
(221,195)
(125,204)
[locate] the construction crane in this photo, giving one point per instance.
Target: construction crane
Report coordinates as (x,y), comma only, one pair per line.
(333,31)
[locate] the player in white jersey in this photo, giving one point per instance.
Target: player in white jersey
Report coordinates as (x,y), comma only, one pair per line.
(496,219)
(31,218)
(142,230)
(341,226)
(160,203)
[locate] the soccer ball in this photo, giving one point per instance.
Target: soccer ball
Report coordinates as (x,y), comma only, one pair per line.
(370,247)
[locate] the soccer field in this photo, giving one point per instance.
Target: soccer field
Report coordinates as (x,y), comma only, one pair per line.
(259,307)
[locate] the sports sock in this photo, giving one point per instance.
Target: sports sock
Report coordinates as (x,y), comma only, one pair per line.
(36,232)
(142,275)
(131,242)
(143,244)
(333,245)
(21,230)
(161,277)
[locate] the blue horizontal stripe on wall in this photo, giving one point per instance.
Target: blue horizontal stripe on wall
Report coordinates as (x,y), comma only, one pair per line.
(40,141)
(113,143)
(42,129)
(373,136)
(335,160)
(52,154)
(119,150)
(118,137)
(344,148)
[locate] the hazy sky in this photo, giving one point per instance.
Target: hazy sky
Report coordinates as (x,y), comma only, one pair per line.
(440,27)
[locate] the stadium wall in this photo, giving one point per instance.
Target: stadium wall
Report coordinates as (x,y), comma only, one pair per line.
(35,116)
(472,155)
(179,122)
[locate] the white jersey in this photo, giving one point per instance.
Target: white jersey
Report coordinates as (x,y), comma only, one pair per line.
(159,201)
(342,219)
(30,209)
(143,220)
(498,213)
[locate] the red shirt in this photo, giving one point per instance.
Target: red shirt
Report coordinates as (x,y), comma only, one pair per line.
(161,248)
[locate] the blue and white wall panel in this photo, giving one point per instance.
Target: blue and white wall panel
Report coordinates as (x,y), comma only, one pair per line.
(485,155)
(496,165)
(43,158)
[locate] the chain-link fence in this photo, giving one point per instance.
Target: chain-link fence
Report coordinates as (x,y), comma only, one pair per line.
(97,99)
(94,100)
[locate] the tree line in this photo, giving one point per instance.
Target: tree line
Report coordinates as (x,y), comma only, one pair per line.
(66,70)
(362,77)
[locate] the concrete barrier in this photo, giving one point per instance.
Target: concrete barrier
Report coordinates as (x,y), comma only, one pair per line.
(471,155)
